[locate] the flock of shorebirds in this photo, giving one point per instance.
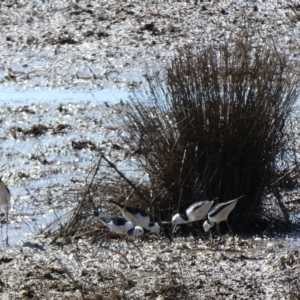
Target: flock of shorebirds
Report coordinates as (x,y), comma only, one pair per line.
(135,220)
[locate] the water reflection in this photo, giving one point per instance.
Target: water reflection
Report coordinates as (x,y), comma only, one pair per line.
(15,96)
(33,182)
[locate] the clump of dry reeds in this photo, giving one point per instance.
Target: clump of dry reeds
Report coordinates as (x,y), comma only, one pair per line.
(216,123)
(212,124)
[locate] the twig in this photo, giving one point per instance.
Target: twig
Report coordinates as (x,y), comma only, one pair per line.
(294,11)
(76,212)
(112,165)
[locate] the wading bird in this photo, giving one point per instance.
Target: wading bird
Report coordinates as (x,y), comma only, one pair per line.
(121,226)
(4,204)
(4,198)
(220,213)
(195,212)
(138,217)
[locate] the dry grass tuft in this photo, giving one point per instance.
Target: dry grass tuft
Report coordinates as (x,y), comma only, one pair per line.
(213,124)
(216,123)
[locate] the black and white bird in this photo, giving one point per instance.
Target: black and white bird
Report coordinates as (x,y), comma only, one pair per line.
(120,225)
(195,212)
(138,217)
(220,213)
(4,198)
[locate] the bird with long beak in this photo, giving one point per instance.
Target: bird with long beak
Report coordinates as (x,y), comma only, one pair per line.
(121,226)
(137,216)
(195,212)
(220,213)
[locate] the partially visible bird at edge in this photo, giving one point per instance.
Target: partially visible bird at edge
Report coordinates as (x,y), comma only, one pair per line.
(5,196)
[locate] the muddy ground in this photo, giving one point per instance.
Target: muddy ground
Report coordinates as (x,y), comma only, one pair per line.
(157,270)
(95,44)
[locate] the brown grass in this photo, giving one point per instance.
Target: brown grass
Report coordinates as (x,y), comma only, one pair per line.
(212,124)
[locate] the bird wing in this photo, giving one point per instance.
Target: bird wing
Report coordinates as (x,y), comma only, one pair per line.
(219,207)
(131,209)
(135,210)
(198,210)
(184,216)
(195,206)
(105,219)
(117,220)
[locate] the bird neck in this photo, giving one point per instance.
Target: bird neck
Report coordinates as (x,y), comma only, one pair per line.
(184,221)
(128,226)
(211,223)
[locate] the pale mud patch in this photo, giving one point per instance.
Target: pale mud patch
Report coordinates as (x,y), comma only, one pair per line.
(91,45)
(184,269)
(48,151)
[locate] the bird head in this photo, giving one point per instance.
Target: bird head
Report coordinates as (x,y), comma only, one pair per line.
(137,231)
(207,225)
(177,219)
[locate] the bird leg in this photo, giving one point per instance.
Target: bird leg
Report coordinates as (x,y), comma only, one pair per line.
(6,238)
(192,232)
(210,243)
(218,227)
(198,233)
(1,231)
(229,227)
(173,229)
(232,234)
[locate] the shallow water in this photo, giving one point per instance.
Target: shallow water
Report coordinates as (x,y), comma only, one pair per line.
(17,96)
(40,169)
